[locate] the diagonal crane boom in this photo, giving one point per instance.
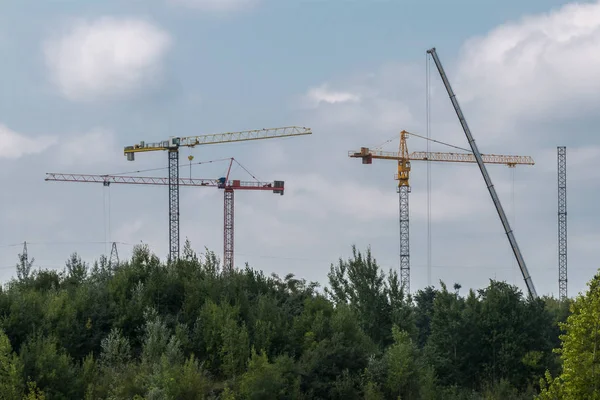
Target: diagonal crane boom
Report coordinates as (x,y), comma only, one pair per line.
(228,186)
(172,147)
(403,157)
(486,176)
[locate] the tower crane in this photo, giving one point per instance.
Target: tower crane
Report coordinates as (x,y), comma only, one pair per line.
(228,186)
(172,146)
(488,181)
(403,157)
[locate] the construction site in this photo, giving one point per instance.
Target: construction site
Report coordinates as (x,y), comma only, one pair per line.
(229,185)
(205,202)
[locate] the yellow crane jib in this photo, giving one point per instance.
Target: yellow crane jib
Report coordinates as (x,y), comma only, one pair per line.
(173,143)
(404,157)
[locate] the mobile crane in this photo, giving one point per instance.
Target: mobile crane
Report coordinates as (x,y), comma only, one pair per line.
(486,176)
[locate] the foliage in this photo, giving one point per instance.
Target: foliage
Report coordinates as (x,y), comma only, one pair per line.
(579,352)
(149,330)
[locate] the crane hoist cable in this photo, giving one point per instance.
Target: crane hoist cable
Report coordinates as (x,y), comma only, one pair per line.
(428,133)
(424,138)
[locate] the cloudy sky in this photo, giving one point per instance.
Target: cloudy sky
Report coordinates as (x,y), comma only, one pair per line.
(81,80)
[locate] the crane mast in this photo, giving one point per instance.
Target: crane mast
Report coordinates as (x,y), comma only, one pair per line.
(486,177)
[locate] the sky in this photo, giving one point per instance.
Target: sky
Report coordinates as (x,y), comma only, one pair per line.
(81,80)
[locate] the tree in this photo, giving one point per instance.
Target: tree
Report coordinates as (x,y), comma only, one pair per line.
(24,266)
(360,284)
(11,371)
(580,350)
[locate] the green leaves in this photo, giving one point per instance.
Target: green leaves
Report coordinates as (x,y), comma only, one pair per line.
(580,350)
(185,330)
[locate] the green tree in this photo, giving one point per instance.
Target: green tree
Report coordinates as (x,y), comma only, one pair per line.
(580,350)
(11,370)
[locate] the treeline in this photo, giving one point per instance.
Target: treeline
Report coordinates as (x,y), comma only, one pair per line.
(146,330)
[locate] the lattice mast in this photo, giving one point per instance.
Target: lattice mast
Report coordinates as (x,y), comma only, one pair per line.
(562,222)
(486,177)
(172,147)
(403,191)
(403,157)
(113,261)
(228,230)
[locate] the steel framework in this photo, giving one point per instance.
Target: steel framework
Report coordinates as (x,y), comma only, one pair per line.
(404,238)
(113,261)
(228,233)
(228,186)
(403,157)
(172,146)
(562,222)
(173,205)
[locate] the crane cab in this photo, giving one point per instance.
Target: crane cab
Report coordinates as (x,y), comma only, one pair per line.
(278,187)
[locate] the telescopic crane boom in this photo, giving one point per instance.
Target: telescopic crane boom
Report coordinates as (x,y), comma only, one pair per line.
(172,147)
(486,176)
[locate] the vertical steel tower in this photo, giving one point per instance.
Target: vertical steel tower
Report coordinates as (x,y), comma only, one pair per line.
(228,230)
(404,238)
(562,222)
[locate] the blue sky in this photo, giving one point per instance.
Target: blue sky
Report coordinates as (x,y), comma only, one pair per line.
(81,80)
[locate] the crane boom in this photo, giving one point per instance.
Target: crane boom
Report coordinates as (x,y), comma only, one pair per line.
(214,138)
(443,157)
(486,177)
(276,186)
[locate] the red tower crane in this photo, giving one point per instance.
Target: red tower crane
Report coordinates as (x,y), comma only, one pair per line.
(228,186)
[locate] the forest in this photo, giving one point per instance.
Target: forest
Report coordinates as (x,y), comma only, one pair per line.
(144,329)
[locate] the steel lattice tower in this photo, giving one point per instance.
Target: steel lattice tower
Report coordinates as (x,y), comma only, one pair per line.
(403,192)
(113,262)
(562,222)
(173,205)
(228,231)
(25,255)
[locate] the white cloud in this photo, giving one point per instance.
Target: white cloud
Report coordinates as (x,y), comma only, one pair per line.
(542,64)
(89,149)
(217,5)
(322,94)
(106,56)
(14,145)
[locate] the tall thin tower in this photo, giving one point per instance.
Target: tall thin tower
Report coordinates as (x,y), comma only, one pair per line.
(403,192)
(562,222)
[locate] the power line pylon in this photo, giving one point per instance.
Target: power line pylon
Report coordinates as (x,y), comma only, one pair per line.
(173,144)
(403,157)
(24,255)
(114,257)
(562,222)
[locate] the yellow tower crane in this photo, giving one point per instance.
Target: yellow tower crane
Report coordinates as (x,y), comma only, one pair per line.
(172,146)
(403,157)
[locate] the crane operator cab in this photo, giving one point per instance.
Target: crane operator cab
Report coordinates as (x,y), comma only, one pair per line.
(221,182)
